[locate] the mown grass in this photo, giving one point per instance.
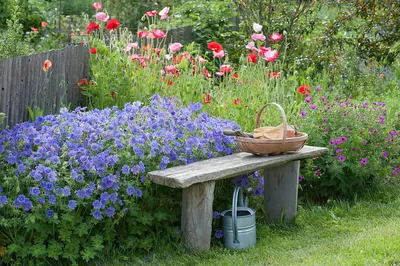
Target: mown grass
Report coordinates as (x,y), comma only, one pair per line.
(339,233)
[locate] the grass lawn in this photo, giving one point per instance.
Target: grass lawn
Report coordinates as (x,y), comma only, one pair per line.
(339,233)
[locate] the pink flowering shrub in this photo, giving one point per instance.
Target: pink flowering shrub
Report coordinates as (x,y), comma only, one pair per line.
(363,140)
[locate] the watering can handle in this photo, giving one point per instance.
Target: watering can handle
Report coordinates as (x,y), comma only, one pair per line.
(234,214)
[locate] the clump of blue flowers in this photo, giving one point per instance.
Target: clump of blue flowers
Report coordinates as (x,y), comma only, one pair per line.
(91,166)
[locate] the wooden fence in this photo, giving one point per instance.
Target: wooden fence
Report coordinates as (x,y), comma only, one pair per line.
(24,83)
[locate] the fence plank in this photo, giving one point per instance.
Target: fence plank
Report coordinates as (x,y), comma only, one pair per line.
(24,83)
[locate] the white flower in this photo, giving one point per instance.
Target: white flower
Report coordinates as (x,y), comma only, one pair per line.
(257,27)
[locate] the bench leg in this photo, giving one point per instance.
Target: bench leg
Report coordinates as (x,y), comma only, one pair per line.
(197,210)
(280,191)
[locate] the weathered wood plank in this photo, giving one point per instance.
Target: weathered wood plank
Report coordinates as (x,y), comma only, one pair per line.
(24,83)
(280,191)
(225,167)
(196,220)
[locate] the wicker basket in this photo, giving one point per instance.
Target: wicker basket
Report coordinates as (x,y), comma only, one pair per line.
(272,146)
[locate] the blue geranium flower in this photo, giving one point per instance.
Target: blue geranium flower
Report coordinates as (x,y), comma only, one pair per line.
(49,213)
(110,212)
(130,190)
(97,214)
(72,204)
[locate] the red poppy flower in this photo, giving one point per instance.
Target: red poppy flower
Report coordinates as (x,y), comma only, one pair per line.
(113,95)
(142,34)
(151,13)
(92,26)
(47,65)
(93,50)
(214,46)
(113,24)
(304,89)
(34,29)
(237,101)
(235,76)
(169,83)
(83,82)
(274,75)
(207,98)
(252,58)
(208,75)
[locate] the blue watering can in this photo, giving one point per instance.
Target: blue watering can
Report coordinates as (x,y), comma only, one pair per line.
(239,223)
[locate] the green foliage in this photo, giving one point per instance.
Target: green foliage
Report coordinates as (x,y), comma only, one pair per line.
(33,114)
(13,43)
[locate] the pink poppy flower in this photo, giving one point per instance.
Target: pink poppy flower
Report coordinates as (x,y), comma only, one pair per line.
(275,37)
(102,16)
(263,50)
(135,57)
(158,34)
(97,6)
(271,56)
(250,46)
(130,46)
(258,37)
(225,68)
(202,60)
(171,69)
(174,47)
(164,13)
(220,54)
(219,74)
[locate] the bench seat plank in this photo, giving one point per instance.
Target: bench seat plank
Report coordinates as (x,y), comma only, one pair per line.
(225,167)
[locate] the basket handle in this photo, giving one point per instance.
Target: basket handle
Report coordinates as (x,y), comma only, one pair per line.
(284,123)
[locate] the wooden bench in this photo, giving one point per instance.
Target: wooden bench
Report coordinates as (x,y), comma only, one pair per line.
(281,174)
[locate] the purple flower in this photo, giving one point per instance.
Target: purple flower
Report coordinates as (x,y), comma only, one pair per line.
(343,139)
(3,200)
(323,98)
(308,99)
(394,172)
(332,141)
(110,212)
(313,107)
(318,172)
(139,193)
(218,234)
(97,204)
(361,132)
(364,161)
(300,178)
(342,158)
(216,215)
(384,154)
(319,88)
(97,215)
(130,190)
(338,150)
(125,170)
(303,113)
(72,204)
(49,213)
(34,191)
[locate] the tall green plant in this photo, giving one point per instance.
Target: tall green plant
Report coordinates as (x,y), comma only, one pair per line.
(13,43)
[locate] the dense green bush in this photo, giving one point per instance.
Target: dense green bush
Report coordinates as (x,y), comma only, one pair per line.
(363,140)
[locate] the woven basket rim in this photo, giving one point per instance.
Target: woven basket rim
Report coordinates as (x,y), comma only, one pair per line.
(302,137)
